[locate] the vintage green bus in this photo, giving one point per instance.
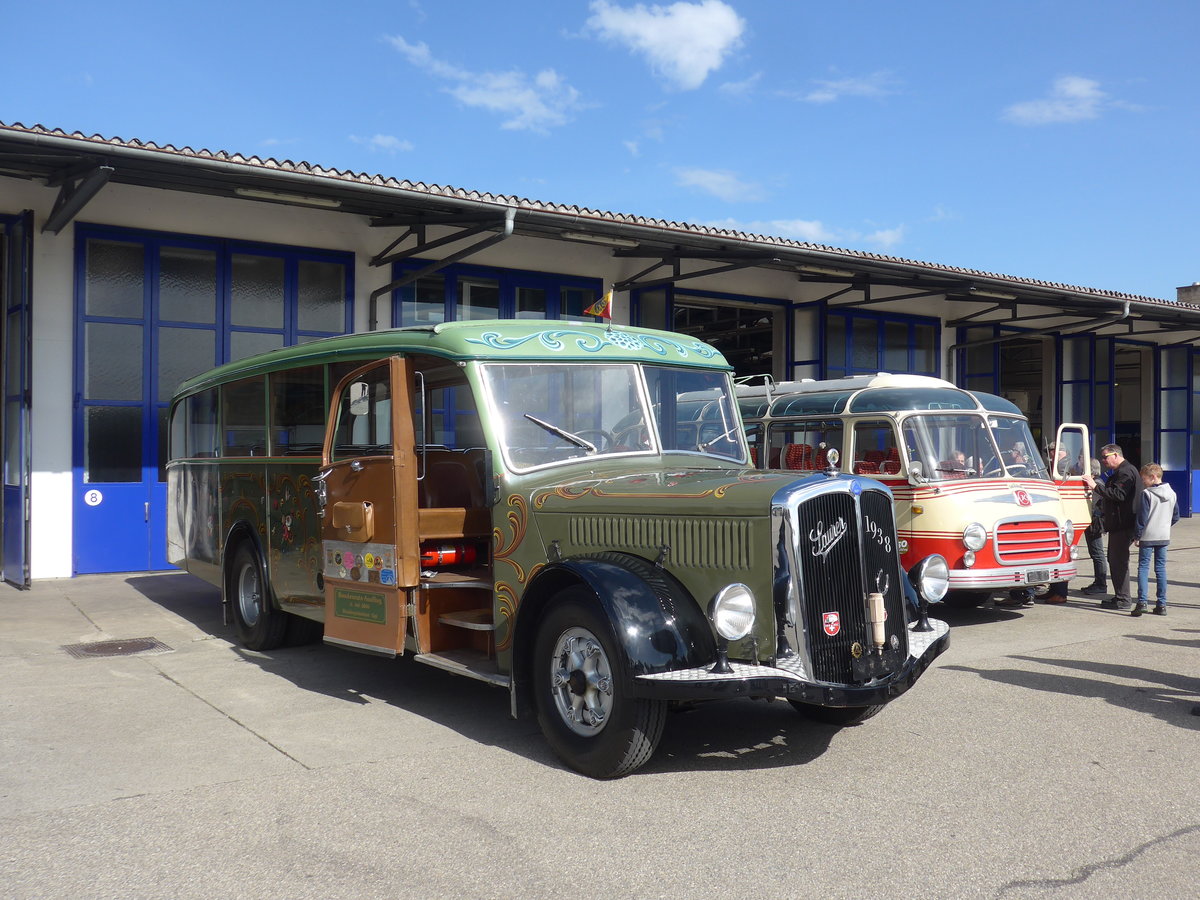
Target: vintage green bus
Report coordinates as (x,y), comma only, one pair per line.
(565,510)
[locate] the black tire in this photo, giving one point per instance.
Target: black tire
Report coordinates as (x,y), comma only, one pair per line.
(841,716)
(301,631)
(581,687)
(967,599)
(258,625)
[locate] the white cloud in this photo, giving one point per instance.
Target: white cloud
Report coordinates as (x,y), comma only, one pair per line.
(536,103)
(885,237)
(683,43)
(873,86)
(741,88)
(725,185)
(1071,99)
(632,147)
(384,142)
(816,232)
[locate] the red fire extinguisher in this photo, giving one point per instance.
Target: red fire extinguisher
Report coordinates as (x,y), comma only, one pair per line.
(458,553)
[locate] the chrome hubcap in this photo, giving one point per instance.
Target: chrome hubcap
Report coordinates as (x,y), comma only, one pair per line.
(249,595)
(581,682)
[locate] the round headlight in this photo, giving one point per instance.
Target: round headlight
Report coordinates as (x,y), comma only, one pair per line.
(931,577)
(732,612)
(974,536)
(1069,532)
(969,558)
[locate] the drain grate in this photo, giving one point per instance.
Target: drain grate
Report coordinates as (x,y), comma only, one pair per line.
(126,647)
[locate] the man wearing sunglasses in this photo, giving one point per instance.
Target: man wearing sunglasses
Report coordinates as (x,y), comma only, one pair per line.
(1120,497)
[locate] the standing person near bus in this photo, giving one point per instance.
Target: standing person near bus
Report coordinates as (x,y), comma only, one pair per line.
(1157,512)
(1094,535)
(1120,496)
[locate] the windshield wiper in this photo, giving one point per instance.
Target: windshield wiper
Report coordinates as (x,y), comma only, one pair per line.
(562,433)
(727,436)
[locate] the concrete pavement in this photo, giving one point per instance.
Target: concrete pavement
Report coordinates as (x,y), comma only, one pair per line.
(1052,751)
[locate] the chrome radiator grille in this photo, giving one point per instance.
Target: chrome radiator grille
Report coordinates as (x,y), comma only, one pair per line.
(845,547)
(711,543)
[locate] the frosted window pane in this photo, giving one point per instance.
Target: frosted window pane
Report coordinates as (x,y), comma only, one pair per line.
(322,297)
(115,282)
(1174,409)
(258,291)
(113,362)
(1174,448)
(248,343)
(187,285)
(182,353)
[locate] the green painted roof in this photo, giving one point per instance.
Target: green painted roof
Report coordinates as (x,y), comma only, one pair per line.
(541,340)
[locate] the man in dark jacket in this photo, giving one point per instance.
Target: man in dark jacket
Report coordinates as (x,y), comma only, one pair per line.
(1120,498)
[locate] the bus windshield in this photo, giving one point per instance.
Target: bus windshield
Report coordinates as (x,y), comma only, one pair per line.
(949,447)
(549,412)
(1017,447)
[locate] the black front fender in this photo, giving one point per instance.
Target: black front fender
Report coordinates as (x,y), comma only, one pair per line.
(654,619)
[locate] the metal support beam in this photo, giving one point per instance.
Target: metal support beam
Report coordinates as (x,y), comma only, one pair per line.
(435,266)
(870,301)
(630,284)
(74,195)
(423,246)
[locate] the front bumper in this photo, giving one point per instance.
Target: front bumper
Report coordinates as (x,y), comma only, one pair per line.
(788,678)
(1010,577)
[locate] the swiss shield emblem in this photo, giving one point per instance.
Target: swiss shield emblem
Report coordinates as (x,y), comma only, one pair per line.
(832,622)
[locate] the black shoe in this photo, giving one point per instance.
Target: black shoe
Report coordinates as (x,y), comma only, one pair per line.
(1115,603)
(1160,610)
(1138,610)
(1095,588)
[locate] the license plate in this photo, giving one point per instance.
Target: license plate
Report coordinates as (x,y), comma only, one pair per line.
(1037,576)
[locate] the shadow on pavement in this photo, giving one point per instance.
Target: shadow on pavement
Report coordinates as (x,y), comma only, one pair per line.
(1170,698)
(734,735)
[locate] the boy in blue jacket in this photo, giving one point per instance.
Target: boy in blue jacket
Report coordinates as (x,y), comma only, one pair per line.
(1158,511)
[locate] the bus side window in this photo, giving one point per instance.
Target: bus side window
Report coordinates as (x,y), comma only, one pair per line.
(364,426)
(201,439)
(243,418)
(297,411)
(875,450)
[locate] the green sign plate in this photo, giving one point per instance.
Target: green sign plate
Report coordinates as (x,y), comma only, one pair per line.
(360,606)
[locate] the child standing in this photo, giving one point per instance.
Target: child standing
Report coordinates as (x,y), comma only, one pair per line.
(1159,510)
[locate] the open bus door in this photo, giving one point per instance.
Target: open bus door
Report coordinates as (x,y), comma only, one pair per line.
(368,494)
(1068,465)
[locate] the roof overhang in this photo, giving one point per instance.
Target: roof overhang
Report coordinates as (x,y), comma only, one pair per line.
(674,252)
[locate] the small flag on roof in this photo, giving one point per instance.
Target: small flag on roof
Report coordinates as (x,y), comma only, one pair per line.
(602,308)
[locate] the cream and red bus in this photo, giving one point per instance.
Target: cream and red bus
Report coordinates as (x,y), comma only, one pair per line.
(968,479)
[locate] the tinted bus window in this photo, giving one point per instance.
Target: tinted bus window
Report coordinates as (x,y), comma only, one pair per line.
(243,419)
(297,411)
(202,425)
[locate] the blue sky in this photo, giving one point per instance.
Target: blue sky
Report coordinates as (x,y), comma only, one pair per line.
(1049,140)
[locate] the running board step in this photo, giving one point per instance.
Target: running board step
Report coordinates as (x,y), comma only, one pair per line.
(471,619)
(470,663)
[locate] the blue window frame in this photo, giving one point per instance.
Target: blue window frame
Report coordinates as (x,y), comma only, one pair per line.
(153,308)
(461,292)
(863,343)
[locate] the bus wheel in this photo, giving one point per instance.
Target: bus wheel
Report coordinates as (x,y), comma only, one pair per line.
(259,627)
(835,715)
(584,705)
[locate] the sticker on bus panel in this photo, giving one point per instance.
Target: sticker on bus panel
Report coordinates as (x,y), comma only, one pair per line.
(366,563)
